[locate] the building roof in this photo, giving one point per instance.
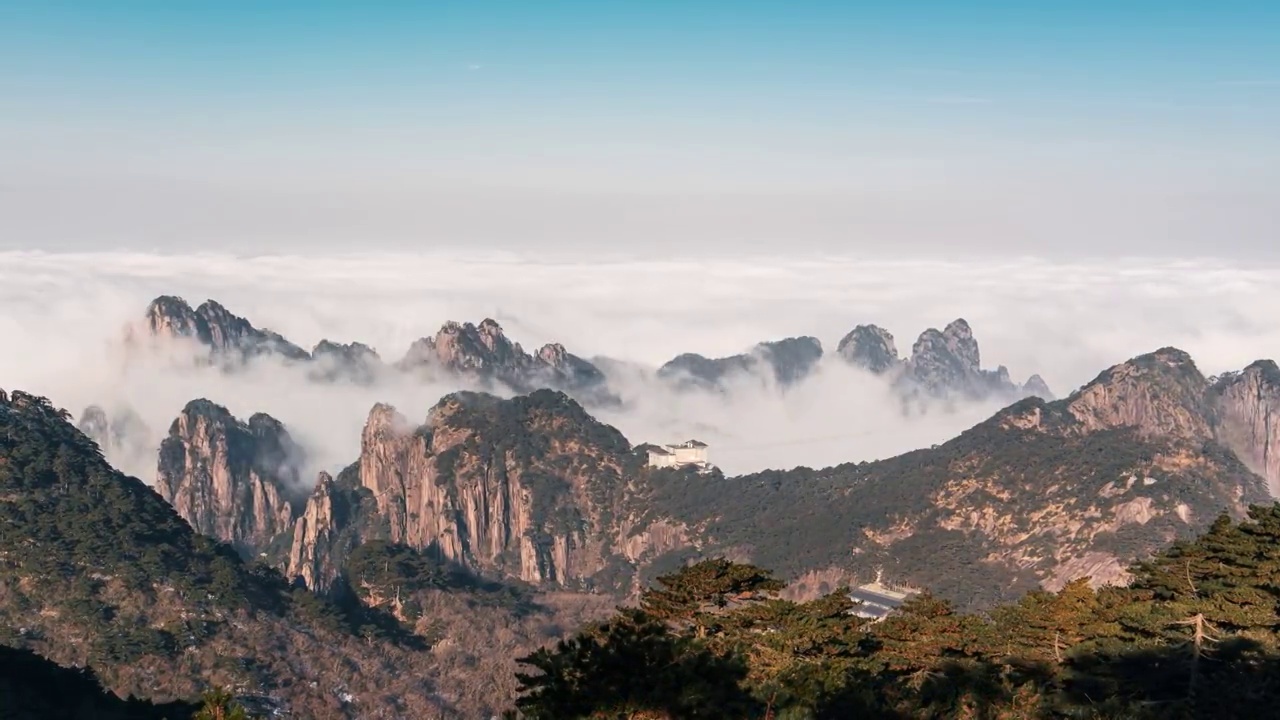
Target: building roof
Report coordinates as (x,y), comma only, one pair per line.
(655,450)
(876,601)
(693,444)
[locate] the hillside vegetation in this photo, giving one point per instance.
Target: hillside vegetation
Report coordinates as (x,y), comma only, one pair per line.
(1196,635)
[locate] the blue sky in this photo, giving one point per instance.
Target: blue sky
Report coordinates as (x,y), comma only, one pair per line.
(907,108)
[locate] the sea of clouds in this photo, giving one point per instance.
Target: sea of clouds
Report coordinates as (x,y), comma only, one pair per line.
(61,320)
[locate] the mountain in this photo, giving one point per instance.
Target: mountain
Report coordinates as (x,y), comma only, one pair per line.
(534,489)
(227,337)
(484,352)
(1042,492)
(123,435)
(785,361)
(234,481)
(871,348)
(531,488)
(1248,404)
(97,569)
(943,363)
(354,361)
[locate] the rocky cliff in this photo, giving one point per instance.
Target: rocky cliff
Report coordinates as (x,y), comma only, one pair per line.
(531,487)
(232,480)
(337,517)
(1248,414)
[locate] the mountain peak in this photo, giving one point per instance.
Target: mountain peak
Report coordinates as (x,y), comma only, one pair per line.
(1160,393)
(222,332)
(235,481)
(871,348)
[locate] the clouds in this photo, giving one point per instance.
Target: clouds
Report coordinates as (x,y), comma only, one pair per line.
(1067,322)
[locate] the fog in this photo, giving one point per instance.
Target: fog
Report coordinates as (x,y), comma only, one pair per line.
(62,315)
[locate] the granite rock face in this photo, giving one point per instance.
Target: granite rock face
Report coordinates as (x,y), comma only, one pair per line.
(527,487)
(232,480)
(1248,415)
(336,518)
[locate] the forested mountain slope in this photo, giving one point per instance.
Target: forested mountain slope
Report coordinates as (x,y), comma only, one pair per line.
(1039,493)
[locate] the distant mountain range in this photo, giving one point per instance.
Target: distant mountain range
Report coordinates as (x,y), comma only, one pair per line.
(943,364)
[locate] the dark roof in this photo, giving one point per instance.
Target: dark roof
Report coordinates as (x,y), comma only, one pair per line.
(695,443)
(656,450)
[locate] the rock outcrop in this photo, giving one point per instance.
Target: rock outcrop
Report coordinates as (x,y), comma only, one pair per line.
(231,480)
(355,362)
(1248,414)
(1161,394)
(123,436)
(530,487)
(227,337)
(336,518)
(943,364)
(485,354)
(871,348)
(785,362)
(948,362)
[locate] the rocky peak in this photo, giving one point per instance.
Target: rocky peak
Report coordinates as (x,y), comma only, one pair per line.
(1035,386)
(94,423)
(525,486)
(122,435)
(1248,413)
(791,359)
(462,347)
(1160,393)
(961,343)
(235,481)
(871,348)
(326,531)
(946,361)
(169,315)
(345,361)
(485,352)
(788,361)
(226,335)
(553,354)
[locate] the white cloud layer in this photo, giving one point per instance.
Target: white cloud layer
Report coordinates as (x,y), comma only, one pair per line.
(61,313)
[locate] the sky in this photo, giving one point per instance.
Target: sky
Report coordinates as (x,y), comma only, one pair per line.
(696,129)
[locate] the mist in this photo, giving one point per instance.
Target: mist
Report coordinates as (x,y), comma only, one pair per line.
(62,318)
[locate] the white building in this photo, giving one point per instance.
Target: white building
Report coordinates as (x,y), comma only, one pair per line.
(877,599)
(689,452)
